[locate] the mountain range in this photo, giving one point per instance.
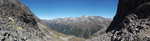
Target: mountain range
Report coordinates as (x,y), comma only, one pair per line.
(131,23)
(83,26)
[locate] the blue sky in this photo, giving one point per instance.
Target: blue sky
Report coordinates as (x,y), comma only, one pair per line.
(50,9)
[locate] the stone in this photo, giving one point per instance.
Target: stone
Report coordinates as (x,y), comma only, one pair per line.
(131,21)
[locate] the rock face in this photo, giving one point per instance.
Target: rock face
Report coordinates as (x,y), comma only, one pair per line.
(83,26)
(132,21)
(17,23)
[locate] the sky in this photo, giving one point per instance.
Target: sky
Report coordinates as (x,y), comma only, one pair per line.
(50,9)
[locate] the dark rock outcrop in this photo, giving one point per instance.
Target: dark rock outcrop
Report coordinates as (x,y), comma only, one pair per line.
(131,22)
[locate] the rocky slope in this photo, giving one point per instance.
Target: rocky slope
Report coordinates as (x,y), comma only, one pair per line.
(17,23)
(83,26)
(131,23)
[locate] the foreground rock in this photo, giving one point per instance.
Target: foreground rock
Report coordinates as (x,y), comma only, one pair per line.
(131,23)
(17,23)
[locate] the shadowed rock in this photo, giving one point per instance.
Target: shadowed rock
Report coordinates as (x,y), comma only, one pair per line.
(131,22)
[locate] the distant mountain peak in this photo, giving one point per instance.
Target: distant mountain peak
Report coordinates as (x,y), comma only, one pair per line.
(87,25)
